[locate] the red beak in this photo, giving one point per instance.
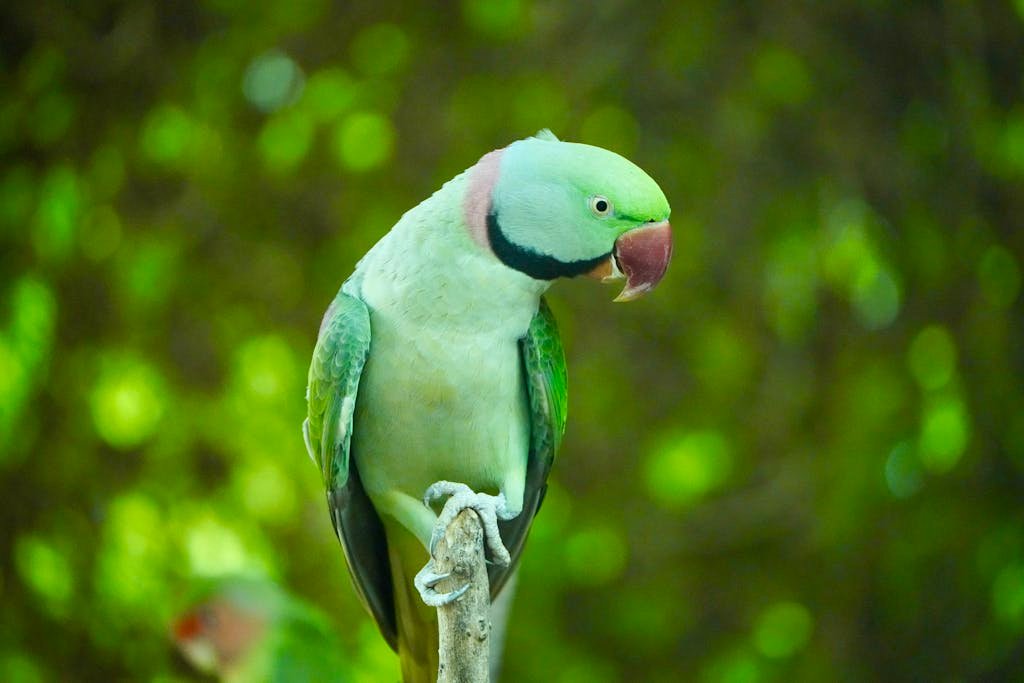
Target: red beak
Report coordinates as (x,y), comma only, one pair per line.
(642,254)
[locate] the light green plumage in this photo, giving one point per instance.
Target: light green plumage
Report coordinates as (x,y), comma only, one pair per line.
(439,360)
(333,383)
(543,193)
(334,374)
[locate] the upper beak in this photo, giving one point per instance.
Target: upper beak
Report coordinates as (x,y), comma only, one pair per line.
(641,256)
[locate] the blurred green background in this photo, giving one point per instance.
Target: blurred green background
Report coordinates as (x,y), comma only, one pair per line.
(802,458)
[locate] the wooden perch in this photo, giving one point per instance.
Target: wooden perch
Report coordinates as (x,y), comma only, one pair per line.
(464,626)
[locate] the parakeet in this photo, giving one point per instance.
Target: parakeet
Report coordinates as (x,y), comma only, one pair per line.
(247,630)
(439,372)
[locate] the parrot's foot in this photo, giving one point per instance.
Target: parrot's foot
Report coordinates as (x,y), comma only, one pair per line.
(461,497)
(425,581)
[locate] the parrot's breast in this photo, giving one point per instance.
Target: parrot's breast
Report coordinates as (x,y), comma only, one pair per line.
(442,395)
(440,406)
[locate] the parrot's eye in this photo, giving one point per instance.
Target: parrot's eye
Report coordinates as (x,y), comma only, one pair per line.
(600,206)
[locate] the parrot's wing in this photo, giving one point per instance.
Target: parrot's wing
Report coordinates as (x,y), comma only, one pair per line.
(338,360)
(543,365)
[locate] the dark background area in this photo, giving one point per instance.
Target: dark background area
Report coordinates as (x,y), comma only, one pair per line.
(802,458)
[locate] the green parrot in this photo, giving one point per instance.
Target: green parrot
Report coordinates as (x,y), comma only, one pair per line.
(439,374)
(247,630)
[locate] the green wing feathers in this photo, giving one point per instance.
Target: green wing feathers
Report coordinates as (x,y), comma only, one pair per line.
(543,366)
(547,384)
(338,360)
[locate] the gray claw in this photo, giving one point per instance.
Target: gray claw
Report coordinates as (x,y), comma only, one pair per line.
(440,489)
(461,497)
(429,579)
(435,599)
(425,581)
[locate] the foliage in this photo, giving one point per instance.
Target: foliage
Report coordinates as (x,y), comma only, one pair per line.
(800,459)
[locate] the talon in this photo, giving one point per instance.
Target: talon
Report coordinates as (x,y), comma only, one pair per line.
(435,538)
(440,489)
(425,581)
(489,508)
(435,599)
(429,579)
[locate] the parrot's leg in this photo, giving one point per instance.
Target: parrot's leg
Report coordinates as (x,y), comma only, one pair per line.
(461,497)
(410,513)
(420,520)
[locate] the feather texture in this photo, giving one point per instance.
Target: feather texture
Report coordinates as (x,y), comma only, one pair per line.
(440,360)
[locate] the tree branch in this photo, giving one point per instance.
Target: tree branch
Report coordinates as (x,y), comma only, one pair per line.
(464,626)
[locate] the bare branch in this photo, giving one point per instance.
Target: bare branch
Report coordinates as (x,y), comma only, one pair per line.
(464,626)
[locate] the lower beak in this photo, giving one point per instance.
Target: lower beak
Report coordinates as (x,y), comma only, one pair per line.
(641,256)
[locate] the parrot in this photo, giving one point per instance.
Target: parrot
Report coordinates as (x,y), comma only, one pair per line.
(244,629)
(438,378)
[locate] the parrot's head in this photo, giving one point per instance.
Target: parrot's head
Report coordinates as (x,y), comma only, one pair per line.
(554,209)
(225,623)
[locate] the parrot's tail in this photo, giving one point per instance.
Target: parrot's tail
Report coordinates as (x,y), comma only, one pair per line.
(417,623)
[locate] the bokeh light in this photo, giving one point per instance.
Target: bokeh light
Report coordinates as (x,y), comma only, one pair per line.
(782,629)
(363,141)
(285,140)
(903,473)
(272,80)
(166,134)
(687,467)
(932,357)
(127,401)
(45,569)
(1008,595)
(328,94)
(781,75)
(380,49)
(57,214)
(999,275)
(213,548)
(945,430)
(496,19)
(133,556)
(595,555)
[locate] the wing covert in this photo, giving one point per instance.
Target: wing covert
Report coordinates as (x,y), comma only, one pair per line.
(547,385)
(334,373)
(338,360)
(543,365)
